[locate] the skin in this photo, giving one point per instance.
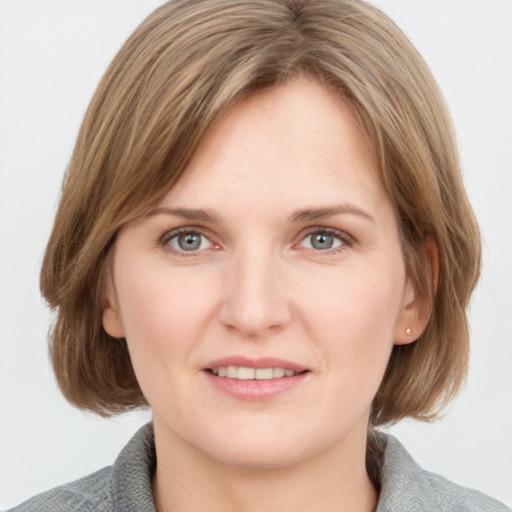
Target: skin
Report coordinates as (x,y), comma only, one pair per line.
(258,287)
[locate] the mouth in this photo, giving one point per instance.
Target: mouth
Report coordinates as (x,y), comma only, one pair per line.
(255,379)
(247,373)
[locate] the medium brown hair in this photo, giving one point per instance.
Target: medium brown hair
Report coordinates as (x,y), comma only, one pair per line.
(184,67)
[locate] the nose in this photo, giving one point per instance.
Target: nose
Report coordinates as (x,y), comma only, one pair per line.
(254,302)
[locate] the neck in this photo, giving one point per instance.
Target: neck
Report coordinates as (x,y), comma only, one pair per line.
(189,480)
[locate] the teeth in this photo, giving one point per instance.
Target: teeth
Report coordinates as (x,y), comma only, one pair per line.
(280,372)
(264,373)
(245,373)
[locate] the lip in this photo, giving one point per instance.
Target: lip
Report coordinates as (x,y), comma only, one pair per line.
(259,362)
(255,390)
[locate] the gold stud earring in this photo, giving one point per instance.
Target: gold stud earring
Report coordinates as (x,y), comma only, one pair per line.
(408,331)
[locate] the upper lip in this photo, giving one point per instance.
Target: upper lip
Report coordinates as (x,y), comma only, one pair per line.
(259,362)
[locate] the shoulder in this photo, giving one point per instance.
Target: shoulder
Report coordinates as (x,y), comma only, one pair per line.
(406,486)
(88,494)
(455,497)
(124,486)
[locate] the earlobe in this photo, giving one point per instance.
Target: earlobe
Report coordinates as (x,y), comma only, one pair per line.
(416,310)
(410,322)
(112,322)
(110,309)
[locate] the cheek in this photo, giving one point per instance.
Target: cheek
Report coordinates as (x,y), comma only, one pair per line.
(354,318)
(158,306)
(161,316)
(354,339)
(160,334)
(358,300)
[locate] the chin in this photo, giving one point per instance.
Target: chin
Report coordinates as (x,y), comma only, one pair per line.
(259,458)
(259,451)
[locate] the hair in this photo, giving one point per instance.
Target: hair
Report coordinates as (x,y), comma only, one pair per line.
(183,68)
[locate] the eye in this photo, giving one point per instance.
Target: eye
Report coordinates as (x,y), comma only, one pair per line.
(324,240)
(186,241)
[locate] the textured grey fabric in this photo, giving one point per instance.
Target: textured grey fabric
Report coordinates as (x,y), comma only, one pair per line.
(126,486)
(123,487)
(405,487)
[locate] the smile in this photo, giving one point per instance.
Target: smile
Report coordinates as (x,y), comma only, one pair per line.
(245,373)
(260,378)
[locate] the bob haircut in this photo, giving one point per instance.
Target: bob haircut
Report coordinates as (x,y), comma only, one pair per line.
(182,69)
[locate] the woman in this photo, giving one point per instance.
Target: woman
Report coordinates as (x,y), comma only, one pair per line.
(263,234)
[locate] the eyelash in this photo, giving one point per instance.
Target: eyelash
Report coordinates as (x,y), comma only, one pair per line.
(168,236)
(345,239)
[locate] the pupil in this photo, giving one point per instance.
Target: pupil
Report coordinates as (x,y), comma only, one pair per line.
(322,241)
(189,242)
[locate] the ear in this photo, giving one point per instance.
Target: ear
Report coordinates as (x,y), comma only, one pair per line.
(111,320)
(416,311)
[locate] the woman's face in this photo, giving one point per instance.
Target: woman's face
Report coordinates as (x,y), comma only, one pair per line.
(261,299)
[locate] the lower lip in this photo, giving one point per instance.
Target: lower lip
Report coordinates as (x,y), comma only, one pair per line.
(254,389)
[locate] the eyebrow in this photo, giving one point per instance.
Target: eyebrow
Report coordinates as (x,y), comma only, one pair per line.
(317,213)
(186,213)
(324,212)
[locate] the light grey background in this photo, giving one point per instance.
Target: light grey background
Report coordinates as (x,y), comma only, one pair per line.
(52,55)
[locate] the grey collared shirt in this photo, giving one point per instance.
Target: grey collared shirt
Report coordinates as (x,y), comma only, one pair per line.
(126,485)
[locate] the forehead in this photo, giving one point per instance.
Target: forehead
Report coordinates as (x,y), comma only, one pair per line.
(297,139)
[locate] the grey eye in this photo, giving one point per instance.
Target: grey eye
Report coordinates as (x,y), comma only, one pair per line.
(189,242)
(321,241)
